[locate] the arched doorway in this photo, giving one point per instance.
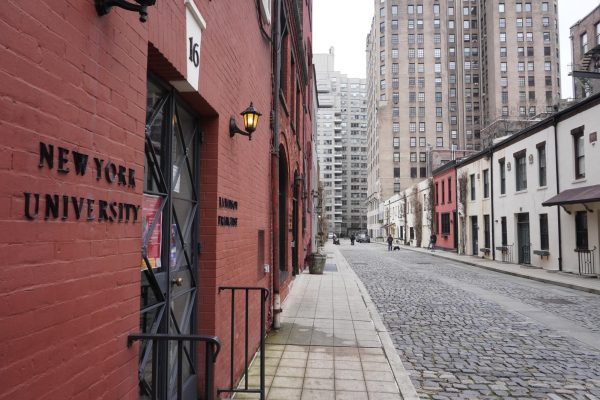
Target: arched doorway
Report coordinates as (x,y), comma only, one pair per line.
(283,207)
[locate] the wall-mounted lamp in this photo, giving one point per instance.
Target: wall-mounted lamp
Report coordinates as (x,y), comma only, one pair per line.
(103,7)
(250,116)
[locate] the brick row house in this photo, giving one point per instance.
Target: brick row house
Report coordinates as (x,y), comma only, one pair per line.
(134,194)
(522,200)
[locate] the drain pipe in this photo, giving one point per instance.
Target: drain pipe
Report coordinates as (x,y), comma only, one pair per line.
(493,221)
(554,125)
(275,164)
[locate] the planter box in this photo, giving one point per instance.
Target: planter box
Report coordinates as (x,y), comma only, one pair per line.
(317,263)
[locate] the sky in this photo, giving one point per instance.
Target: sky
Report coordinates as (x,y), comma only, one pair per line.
(344,25)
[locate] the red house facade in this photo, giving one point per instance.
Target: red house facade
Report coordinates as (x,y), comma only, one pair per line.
(127,206)
(444,184)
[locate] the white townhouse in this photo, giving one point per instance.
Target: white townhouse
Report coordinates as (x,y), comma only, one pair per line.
(474,210)
(394,218)
(524,231)
(577,194)
(419,213)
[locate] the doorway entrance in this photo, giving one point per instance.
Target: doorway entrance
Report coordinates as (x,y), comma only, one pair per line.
(523,238)
(283,214)
(474,236)
(169,250)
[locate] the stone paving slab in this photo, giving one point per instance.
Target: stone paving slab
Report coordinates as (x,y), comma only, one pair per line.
(328,346)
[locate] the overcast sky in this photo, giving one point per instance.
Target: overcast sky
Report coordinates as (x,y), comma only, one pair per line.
(344,24)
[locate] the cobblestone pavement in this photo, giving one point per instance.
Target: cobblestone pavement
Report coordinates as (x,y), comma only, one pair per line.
(467,333)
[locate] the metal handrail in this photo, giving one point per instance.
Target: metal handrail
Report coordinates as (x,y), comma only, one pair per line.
(213,347)
(264,295)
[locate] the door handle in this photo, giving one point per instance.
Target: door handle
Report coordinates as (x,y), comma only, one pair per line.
(177,281)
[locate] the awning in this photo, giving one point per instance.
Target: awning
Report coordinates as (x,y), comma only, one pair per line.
(586,194)
(388,225)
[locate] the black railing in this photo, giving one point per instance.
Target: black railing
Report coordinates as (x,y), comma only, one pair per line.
(212,349)
(586,260)
(507,252)
(264,294)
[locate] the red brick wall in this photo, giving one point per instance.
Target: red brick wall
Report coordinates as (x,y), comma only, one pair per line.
(69,288)
(445,241)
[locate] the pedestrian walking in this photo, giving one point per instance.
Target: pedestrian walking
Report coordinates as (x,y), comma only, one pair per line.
(352,238)
(390,242)
(432,240)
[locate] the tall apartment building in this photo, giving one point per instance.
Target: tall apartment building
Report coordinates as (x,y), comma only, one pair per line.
(585,52)
(341,146)
(440,71)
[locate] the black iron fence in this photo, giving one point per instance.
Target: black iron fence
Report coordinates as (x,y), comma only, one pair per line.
(264,294)
(506,252)
(212,349)
(587,258)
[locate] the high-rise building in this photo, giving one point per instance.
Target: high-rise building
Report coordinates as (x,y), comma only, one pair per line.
(585,50)
(443,75)
(342,146)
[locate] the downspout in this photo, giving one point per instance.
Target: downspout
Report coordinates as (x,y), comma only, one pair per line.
(554,125)
(493,227)
(275,164)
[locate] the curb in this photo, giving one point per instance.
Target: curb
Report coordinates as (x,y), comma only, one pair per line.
(502,271)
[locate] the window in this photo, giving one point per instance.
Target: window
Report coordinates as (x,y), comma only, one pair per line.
(445,223)
(519,22)
(530,51)
(410,9)
(521,170)
(581,231)
(502,37)
(439,127)
(502,22)
(584,42)
(597,29)
(413,157)
(579,152)
(544,242)
(501,7)
(396,172)
(412,127)
(396,157)
(521,66)
(519,7)
(423,172)
(439,142)
(504,231)
(486,184)
(449,190)
(443,193)
(438,111)
(422,142)
(503,67)
(413,174)
(545,22)
(528,22)
(422,157)
(437,53)
(502,51)
(545,6)
(413,141)
(472,181)
(396,142)
(541,153)
(421,126)
(486,231)
(520,36)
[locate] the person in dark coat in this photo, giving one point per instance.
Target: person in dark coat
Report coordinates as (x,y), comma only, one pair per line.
(352,239)
(390,242)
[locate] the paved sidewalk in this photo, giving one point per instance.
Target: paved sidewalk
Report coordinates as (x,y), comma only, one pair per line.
(332,344)
(587,284)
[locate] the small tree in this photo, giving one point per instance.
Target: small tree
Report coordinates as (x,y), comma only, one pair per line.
(430,206)
(462,202)
(417,207)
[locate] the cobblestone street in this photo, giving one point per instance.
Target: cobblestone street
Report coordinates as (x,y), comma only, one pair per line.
(464,332)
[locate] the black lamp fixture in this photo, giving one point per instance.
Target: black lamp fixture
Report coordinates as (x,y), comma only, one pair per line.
(103,6)
(250,116)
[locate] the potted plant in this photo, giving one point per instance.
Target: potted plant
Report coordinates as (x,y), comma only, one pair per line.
(316,261)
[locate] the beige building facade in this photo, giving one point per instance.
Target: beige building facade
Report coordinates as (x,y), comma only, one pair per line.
(439,71)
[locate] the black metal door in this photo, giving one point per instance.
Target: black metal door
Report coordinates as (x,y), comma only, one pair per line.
(523,241)
(474,236)
(169,247)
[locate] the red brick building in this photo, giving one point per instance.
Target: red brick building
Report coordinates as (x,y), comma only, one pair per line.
(125,204)
(444,185)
